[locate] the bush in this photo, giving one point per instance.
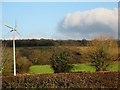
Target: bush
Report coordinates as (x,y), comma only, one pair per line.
(23,64)
(62,80)
(59,62)
(25,52)
(40,57)
(7,60)
(102,52)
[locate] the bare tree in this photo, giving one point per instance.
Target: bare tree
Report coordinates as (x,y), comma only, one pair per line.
(7,60)
(103,51)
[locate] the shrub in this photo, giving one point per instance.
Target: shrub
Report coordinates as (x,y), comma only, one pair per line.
(62,80)
(59,62)
(25,52)
(7,60)
(40,57)
(102,52)
(23,64)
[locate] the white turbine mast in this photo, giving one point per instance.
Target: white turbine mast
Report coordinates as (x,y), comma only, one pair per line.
(13,30)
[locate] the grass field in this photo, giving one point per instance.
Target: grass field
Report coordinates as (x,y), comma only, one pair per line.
(114,67)
(82,68)
(40,69)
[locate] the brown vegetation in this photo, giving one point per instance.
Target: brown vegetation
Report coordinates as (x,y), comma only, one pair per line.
(62,80)
(27,56)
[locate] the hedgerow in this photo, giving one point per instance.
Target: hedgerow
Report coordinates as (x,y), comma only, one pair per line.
(62,80)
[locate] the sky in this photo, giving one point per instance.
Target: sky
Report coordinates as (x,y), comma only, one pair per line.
(60,20)
(60,0)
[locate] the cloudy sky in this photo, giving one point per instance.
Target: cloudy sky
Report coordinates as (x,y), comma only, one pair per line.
(61,20)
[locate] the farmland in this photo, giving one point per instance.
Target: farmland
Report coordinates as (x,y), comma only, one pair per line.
(31,59)
(36,66)
(41,69)
(36,69)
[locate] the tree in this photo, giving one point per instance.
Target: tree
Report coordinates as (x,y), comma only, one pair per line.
(59,62)
(101,52)
(83,42)
(7,60)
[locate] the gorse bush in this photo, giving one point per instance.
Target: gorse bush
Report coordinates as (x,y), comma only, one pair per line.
(60,62)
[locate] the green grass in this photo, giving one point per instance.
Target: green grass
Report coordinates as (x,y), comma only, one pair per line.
(40,69)
(36,69)
(82,68)
(114,67)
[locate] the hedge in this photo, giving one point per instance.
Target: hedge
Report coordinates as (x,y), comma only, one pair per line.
(62,80)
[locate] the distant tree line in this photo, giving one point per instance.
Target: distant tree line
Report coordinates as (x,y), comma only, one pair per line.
(45,42)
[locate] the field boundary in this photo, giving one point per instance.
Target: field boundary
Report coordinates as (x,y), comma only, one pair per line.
(63,80)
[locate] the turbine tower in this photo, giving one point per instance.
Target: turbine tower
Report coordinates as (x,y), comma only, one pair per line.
(13,30)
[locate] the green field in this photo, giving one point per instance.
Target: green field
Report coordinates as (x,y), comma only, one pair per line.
(40,69)
(82,68)
(114,67)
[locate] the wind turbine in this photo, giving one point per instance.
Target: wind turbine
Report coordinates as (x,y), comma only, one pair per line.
(13,30)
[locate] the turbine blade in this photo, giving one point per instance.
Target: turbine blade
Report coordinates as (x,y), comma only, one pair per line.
(8,26)
(11,30)
(18,33)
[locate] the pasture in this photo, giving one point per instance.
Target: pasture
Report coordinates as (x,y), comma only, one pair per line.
(34,68)
(41,69)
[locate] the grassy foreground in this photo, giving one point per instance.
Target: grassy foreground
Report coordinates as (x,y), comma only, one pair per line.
(40,69)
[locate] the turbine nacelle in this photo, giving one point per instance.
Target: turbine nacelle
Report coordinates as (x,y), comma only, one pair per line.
(13,29)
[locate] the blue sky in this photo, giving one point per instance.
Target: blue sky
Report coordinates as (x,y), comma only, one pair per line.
(42,19)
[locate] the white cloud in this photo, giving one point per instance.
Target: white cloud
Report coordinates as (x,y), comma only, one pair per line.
(39,37)
(91,22)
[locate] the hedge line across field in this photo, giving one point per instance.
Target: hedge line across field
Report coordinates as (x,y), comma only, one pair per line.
(62,80)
